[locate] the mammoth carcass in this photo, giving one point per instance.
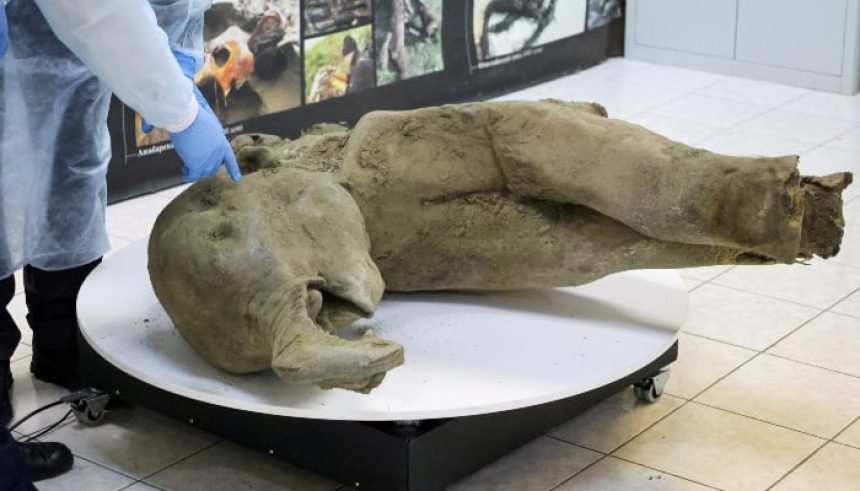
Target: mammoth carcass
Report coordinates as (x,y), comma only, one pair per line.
(262,274)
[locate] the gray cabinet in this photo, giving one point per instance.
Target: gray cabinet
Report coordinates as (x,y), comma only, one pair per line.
(699,26)
(799,34)
(810,43)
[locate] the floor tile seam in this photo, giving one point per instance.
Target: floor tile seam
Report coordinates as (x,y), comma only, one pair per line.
(676,119)
(760,420)
(778,105)
(141,481)
(840,135)
(109,468)
(129,485)
(746,290)
(722,79)
(653,424)
(16,360)
(568,442)
(843,444)
(66,421)
(651,84)
(813,146)
(721,131)
(741,122)
(809,321)
(830,309)
(681,94)
(738,100)
(843,430)
(697,279)
(797,466)
(580,471)
(725,129)
(720,379)
(801,362)
(806,112)
(772,297)
(182,459)
(837,261)
(646,109)
(665,472)
(700,285)
(709,279)
(733,345)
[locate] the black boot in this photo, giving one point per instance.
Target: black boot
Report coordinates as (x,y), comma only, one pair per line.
(9,338)
(51,298)
(45,460)
(5,394)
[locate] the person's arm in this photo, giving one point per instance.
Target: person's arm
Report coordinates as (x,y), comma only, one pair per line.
(121,42)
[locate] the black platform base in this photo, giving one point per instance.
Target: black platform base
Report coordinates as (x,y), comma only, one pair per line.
(406,455)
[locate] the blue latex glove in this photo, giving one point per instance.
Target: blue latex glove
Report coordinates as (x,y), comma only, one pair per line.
(203,148)
(4,31)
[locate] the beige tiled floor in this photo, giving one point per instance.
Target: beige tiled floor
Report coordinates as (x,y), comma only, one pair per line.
(765,395)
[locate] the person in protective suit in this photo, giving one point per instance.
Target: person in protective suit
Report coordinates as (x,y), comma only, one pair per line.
(64,59)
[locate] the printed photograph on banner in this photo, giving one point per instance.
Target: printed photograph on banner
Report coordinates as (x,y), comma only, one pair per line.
(505,27)
(322,16)
(338,64)
(408,39)
(251,65)
(602,12)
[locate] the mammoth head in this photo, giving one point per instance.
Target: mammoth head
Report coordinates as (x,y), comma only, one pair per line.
(261,273)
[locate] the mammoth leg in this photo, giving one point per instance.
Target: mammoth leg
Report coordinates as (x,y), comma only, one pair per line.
(496,241)
(658,187)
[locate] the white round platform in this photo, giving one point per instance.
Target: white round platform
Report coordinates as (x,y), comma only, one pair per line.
(466,354)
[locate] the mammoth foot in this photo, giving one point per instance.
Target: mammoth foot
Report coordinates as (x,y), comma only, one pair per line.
(823,223)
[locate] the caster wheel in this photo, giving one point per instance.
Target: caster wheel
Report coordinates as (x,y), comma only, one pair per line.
(651,388)
(89,406)
(646,391)
(89,416)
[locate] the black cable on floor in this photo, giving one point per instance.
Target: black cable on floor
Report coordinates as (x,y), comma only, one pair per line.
(45,431)
(37,411)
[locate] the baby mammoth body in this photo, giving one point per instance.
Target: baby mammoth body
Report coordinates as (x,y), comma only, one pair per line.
(262,273)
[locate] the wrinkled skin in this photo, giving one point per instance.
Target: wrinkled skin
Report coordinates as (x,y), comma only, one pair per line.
(262,273)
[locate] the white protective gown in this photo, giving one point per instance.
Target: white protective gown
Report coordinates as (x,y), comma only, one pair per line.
(65,58)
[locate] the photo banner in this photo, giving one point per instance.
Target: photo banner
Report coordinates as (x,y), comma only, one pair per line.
(280,66)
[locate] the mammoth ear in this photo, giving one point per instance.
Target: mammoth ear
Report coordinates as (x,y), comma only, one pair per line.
(356,280)
(332,230)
